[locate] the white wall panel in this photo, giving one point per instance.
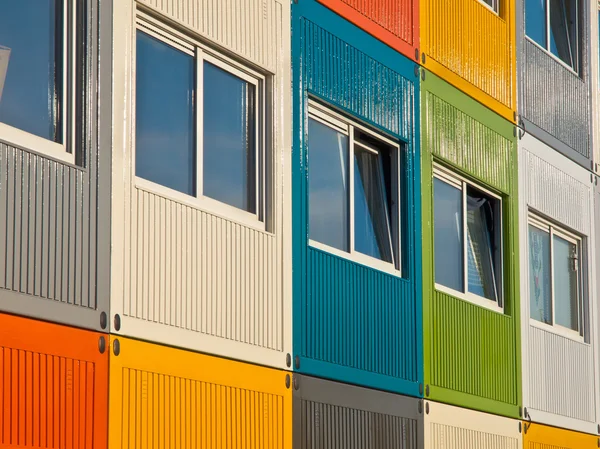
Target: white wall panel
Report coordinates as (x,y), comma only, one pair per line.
(448,427)
(560,386)
(180,275)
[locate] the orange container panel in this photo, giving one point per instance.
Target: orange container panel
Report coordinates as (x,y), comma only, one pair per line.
(161,397)
(394,22)
(53,386)
(536,436)
(473,48)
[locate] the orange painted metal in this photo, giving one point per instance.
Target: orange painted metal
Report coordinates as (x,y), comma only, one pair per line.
(53,386)
(394,22)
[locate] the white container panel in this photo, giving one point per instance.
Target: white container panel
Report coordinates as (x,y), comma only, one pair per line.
(560,386)
(181,275)
(448,427)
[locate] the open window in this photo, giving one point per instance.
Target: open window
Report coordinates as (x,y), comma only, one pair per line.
(353,179)
(494,5)
(467,240)
(554,26)
(555,277)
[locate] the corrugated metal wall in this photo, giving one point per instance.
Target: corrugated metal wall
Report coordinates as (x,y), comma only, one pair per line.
(472,355)
(53,386)
(555,102)
(331,415)
(536,436)
(53,250)
(183,276)
(165,397)
(354,323)
(560,374)
(456,46)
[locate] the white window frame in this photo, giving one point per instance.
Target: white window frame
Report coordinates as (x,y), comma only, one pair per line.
(65,151)
(575,70)
(201,53)
(461,183)
(495,7)
(346,126)
(553,229)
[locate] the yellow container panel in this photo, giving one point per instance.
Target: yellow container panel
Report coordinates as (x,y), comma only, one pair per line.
(536,436)
(162,397)
(473,48)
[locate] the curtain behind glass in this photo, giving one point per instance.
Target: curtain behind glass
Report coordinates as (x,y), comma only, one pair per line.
(540,293)
(562,30)
(565,284)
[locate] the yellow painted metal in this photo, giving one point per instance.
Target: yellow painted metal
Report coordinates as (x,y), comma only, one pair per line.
(161,397)
(474,49)
(537,436)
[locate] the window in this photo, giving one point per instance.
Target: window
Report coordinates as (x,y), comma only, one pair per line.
(493,4)
(38,72)
(554,275)
(553,25)
(199,125)
(353,174)
(467,239)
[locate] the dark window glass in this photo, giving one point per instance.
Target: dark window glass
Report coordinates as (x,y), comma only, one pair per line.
(536,20)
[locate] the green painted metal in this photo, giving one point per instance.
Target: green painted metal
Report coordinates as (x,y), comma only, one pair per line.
(471,354)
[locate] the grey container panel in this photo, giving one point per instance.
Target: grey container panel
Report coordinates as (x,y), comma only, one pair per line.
(554,102)
(50,267)
(330,415)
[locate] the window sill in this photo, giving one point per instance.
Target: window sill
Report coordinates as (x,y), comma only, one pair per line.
(555,58)
(559,330)
(204,204)
(473,299)
(358,258)
(35,144)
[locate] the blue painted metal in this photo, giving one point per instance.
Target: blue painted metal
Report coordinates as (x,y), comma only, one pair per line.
(352,323)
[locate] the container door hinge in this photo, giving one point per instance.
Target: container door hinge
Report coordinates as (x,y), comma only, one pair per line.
(527,425)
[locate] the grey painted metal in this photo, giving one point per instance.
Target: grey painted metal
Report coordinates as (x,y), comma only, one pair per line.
(329,414)
(54,250)
(554,103)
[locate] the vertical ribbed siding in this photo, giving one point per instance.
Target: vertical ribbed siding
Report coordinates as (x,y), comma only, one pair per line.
(461,139)
(45,400)
(331,426)
(557,194)
(472,350)
(47,228)
(200,272)
(556,99)
(358,317)
(247,27)
(473,42)
(561,375)
(160,410)
(450,437)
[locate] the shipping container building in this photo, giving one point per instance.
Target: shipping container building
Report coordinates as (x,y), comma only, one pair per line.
(554,75)
(453,427)
(171,398)
(55,151)
(330,415)
(471,306)
(356,199)
(53,385)
(200,192)
(395,23)
(558,289)
(472,46)
(537,436)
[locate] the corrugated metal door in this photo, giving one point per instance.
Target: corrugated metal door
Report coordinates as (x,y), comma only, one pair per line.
(395,22)
(536,436)
(473,48)
(53,386)
(448,427)
(170,398)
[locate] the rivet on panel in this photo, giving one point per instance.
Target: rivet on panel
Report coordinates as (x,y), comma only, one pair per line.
(426,390)
(297,362)
(416,70)
(116,347)
(427,408)
(598,442)
(420,388)
(598,428)
(288,360)
(296,383)
(519,427)
(117,322)
(420,407)
(520,412)
(417,54)
(102,345)
(423,58)
(423,75)
(103,320)
(287,381)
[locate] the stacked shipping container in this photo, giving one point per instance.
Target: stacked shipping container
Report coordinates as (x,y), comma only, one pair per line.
(319,223)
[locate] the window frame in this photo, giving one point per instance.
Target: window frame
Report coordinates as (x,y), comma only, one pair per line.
(67,108)
(574,70)
(346,126)
(495,8)
(553,229)
(460,182)
(202,53)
